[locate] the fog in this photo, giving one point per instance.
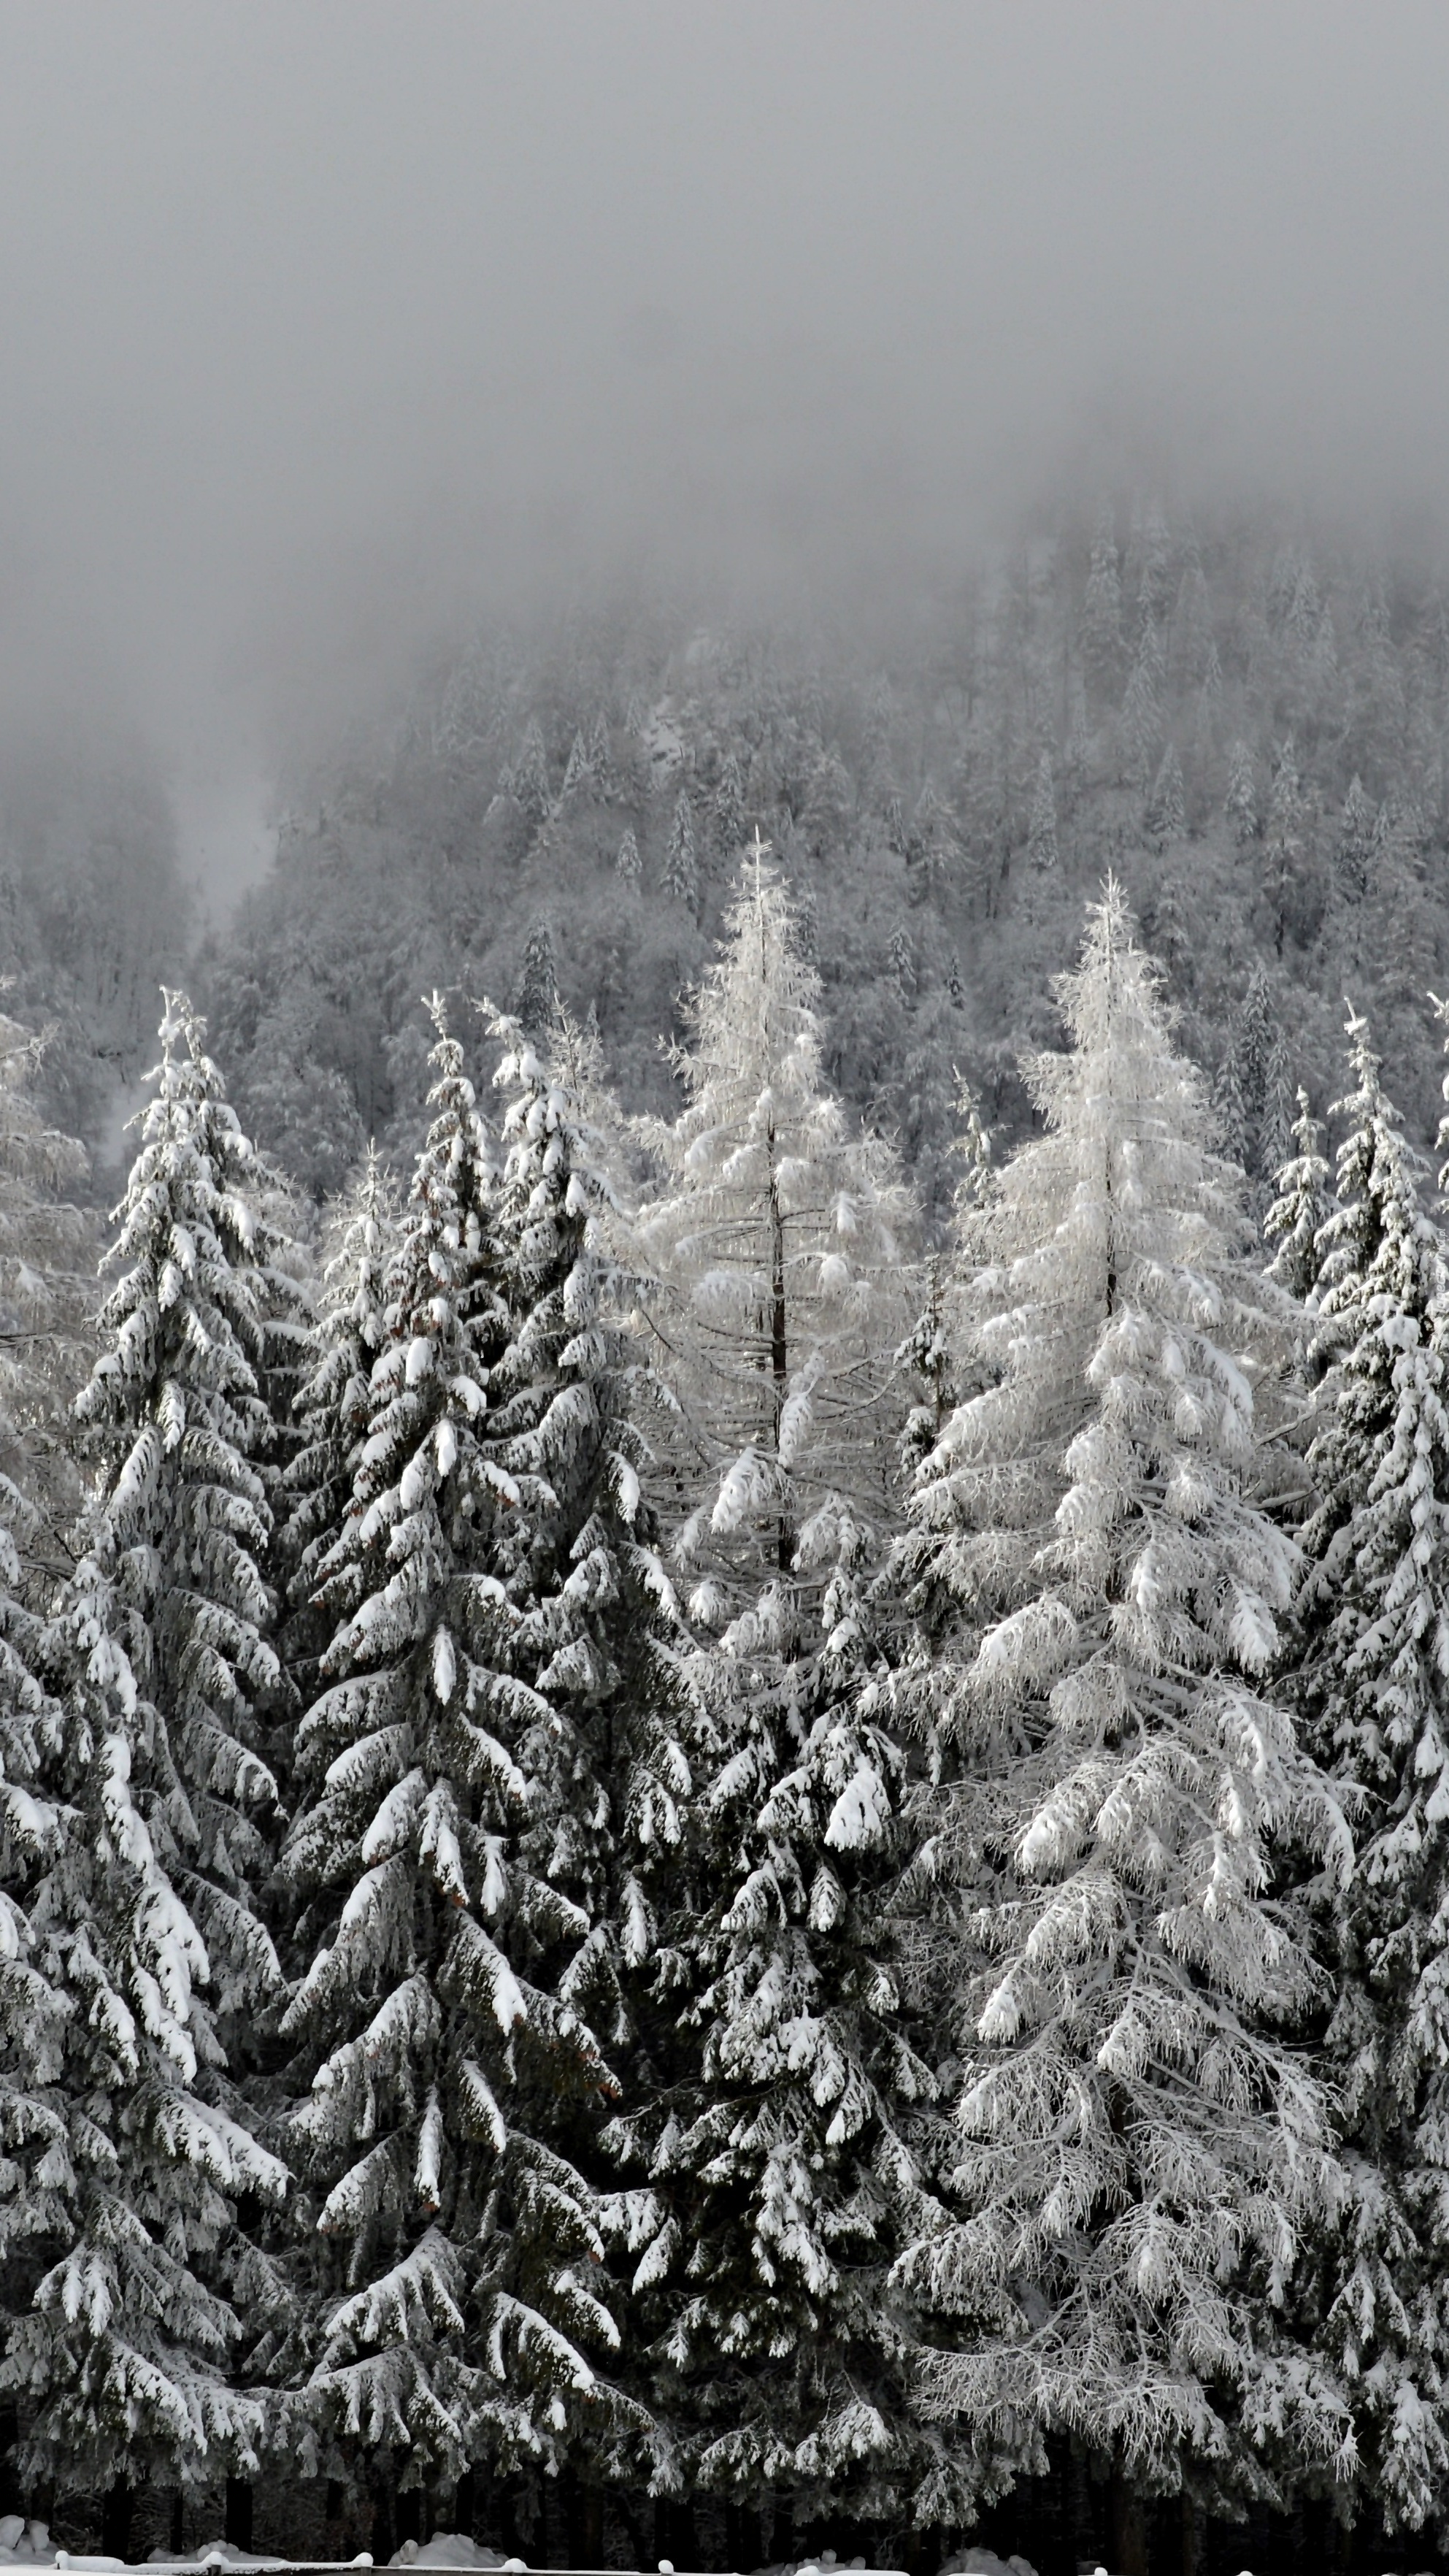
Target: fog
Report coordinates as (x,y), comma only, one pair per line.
(325,327)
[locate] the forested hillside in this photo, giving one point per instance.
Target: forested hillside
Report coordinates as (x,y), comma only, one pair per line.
(1247,724)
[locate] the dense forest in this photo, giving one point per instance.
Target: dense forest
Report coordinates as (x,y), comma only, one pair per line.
(724,1663)
(1246,725)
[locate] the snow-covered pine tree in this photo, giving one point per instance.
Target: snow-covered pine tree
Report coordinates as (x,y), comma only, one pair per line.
(1295,1221)
(1041,839)
(1372,1688)
(1142,708)
(175,1427)
(1141,2147)
(148,1893)
(333,1406)
(578,778)
(681,866)
(454,2303)
(780,2153)
(1101,630)
(1240,805)
(528,781)
(47,1252)
(1284,841)
(1354,849)
(1167,805)
(729,810)
(628,865)
(538,980)
(601,760)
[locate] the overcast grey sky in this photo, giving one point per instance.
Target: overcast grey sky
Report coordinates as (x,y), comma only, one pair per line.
(320,317)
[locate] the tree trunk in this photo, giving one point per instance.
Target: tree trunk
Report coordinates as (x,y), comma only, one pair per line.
(238,2529)
(465,2509)
(382,2542)
(1129,2527)
(116,2509)
(1192,2535)
(11,2499)
(178,2522)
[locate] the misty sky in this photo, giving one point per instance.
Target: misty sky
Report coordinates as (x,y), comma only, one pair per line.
(323,323)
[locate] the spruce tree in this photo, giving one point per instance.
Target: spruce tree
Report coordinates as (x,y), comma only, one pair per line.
(1240,806)
(1372,1685)
(143,1906)
(1295,1221)
(1041,841)
(47,1254)
(1102,611)
(681,866)
(454,2300)
(1167,808)
(1141,2146)
(333,1406)
(785,2150)
(538,982)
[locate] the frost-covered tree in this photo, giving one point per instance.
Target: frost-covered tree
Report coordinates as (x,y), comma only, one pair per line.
(1142,708)
(729,809)
(780,2158)
(528,781)
(448,1795)
(1353,851)
(143,1910)
(538,981)
(177,1431)
(46,1293)
(1167,805)
(578,777)
(1141,2146)
(681,865)
(1240,805)
(333,1404)
(628,865)
(1295,1221)
(1372,1686)
(1101,629)
(1041,838)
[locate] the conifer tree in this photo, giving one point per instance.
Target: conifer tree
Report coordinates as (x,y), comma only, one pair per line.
(1353,856)
(47,1249)
(1041,839)
(601,759)
(333,1404)
(578,775)
(681,867)
(1141,2146)
(729,810)
(527,780)
(1372,1684)
(628,864)
(1102,611)
(538,983)
(1296,1219)
(454,2302)
(176,1425)
(1240,805)
(781,2156)
(1167,808)
(143,1920)
(1142,708)
(1284,840)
